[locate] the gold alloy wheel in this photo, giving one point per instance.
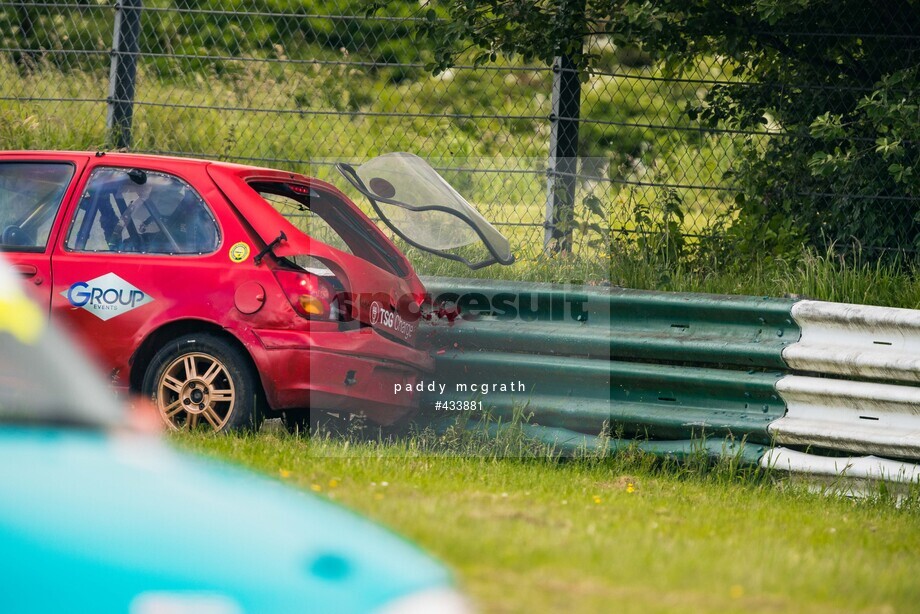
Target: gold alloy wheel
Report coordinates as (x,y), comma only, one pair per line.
(196,388)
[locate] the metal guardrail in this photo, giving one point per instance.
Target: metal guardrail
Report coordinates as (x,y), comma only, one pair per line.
(854,416)
(664,370)
(856,341)
(673,327)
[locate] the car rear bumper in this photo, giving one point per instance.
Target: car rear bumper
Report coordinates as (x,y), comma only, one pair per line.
(357,371)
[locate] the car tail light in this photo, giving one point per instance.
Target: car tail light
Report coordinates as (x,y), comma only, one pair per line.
(311,296)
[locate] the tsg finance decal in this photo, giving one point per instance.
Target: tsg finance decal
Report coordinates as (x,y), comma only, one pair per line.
(106,296)
(391,320)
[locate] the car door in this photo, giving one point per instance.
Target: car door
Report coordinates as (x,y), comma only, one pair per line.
(141,248)
(33,190)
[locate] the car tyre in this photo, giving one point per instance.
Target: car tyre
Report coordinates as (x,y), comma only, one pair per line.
(203,380)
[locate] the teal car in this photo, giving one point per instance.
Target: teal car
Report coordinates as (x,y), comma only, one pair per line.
(96,516)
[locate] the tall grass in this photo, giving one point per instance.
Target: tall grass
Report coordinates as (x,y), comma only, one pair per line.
(852,278)
(628,260)
(303,116)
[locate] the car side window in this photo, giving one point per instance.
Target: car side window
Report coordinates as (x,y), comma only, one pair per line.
(137,211)
(30,197)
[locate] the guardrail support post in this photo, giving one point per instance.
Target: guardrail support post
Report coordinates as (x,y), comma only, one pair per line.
(563,157)
(123,72)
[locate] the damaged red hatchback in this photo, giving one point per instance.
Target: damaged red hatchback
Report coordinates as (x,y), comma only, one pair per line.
(224,291)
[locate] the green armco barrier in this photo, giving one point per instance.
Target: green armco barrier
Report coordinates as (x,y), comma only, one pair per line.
(637,399)
(663,370)
(660,369)
(527,337)
(679,402)
(540,302)
(654,326)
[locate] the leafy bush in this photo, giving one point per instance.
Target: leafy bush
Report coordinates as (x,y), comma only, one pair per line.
(822,94)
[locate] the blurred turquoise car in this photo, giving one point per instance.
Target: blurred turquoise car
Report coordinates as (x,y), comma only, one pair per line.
(95,516)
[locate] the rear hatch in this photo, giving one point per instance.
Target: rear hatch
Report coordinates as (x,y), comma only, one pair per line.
(326,235)
(425,211)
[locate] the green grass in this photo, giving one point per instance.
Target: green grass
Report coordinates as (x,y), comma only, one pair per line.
(523,530)
(626,533)
(855,278)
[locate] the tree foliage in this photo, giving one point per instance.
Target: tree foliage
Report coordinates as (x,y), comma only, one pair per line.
(829,89)
(261,28)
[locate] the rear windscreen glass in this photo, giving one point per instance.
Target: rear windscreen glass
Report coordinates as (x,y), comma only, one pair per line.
(424,210)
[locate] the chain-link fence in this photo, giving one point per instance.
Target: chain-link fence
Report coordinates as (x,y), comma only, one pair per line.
(302,84)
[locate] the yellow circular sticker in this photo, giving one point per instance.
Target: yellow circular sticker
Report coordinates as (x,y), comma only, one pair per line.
(239,252)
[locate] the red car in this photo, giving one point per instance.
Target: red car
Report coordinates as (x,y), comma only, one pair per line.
(224,291)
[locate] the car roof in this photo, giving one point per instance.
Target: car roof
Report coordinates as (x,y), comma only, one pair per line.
(127,159)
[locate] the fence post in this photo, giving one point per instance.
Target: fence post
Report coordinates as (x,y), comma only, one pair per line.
(123,72)
(563,156)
